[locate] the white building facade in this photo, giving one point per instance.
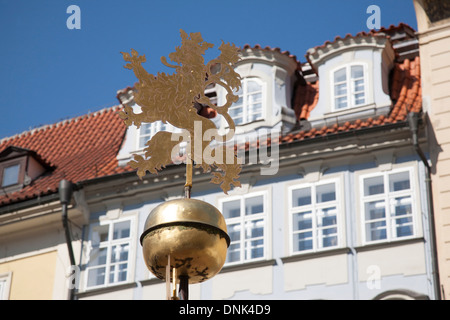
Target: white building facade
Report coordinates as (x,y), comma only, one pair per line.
(343,214)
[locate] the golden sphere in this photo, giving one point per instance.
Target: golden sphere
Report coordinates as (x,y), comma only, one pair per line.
(192,232)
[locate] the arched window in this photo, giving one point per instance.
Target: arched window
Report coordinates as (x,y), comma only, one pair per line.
(249,107)
(349,86)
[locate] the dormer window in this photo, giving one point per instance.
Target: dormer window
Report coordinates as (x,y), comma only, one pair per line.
(249,107)
(10,175)
(148,130)
(349,87)
(19,167)
(353,79)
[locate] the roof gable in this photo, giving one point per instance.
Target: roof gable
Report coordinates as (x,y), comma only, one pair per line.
(79,149)
(12,152)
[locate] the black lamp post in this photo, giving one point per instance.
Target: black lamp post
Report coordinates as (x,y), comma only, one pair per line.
(65,195)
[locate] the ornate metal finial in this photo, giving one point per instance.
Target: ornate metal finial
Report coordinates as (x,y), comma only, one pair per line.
(176,98)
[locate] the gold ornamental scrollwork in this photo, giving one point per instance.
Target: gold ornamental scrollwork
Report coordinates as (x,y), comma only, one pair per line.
(176,99)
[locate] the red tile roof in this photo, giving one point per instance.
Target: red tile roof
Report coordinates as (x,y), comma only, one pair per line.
(306,97)
(389,32)
(86,147)
(406,96)
(80,149)
(276,49)
(405,92)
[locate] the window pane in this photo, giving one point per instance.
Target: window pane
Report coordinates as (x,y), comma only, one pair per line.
(118,273)
(10,175)
(359,85)
(302,221)
(255,108)
(99,234)
(254,249)
(254,112)
(329,237)
(253,86)
(340,75)
(249,106)
(234,231)
(2,288)
(161,126)
(327,222)
(327,217)
(254,205)
(255,97)
(303,241)
(143,141)
(393,209)
(121,230)
(404,227)
(111,274)
(246,232)
(301,197)
(376,231)
(145,134)
(119,253)
(373,186)
(236,112)
(146,129)
(341,102)
(325,193)
(231,209)
(402,206)
(340,89)
(233,253)
(254,228)
(399,181)
(357,72)
(239,120)
(96,276)
(359,98)
(254,117)
(375,210)
(97,256)
(108,259)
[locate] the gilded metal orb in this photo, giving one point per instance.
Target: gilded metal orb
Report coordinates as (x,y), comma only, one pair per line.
(192,232)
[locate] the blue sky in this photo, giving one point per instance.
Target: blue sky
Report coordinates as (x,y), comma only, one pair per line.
(49,73)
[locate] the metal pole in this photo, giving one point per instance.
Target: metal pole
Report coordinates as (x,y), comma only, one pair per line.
(184,287)
(65,194)
(69,246)
(183,290)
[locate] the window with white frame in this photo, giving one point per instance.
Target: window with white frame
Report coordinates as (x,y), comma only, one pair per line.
(388,205)
(148,130)
(110,256)
(249,107)
(5,282)
(2,288)
(349,87)
(246,218)
(314,214)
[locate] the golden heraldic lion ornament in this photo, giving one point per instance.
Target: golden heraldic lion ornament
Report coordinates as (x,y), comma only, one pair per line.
(186,235)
